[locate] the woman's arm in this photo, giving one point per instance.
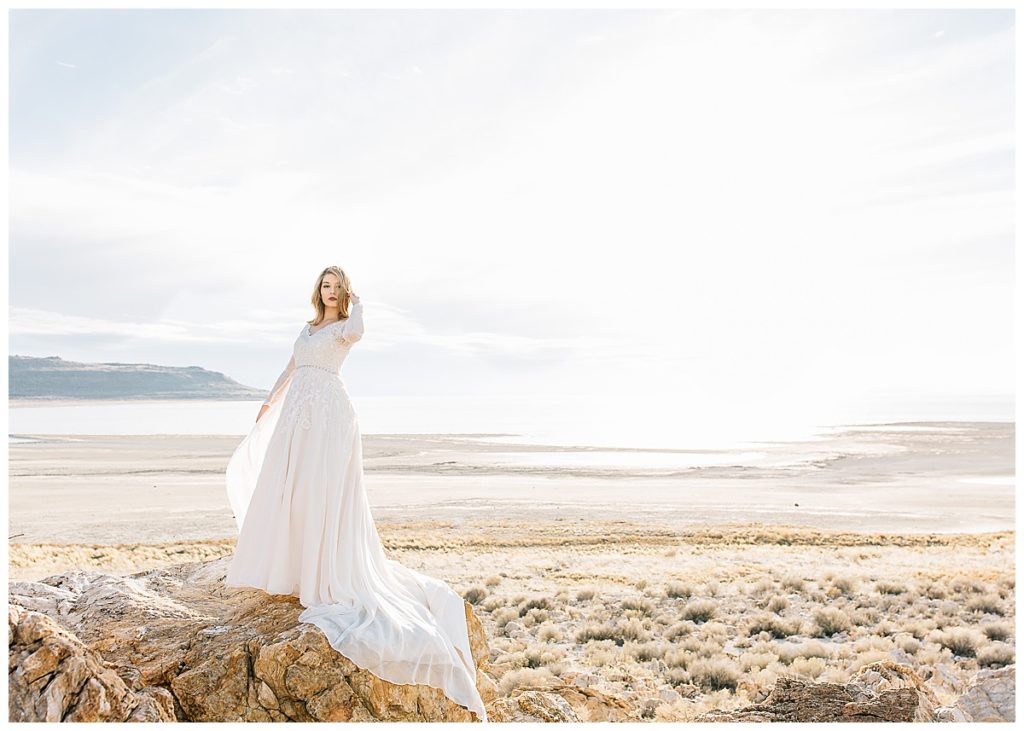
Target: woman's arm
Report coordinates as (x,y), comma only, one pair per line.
(282,381)
(352,330)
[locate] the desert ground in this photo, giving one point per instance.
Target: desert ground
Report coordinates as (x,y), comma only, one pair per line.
(680,589)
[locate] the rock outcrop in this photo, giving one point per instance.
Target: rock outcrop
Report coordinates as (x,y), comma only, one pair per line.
(990,696)
(54,677)
(175,644)
(186,647)
(880,691)
(561,702)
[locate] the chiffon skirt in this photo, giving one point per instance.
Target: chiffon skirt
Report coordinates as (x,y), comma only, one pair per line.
(305,528)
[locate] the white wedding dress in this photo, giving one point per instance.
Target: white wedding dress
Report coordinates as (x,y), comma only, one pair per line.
(295,484)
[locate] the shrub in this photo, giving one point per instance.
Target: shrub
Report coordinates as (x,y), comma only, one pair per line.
(592,632)
(889,587)
(867,658)
(714,673)
(908,643)
(603,656)
(998,630)
(773,625)
(863,617)
(987,603)
(677,658)
(963,584)
(810,667)
(845,585)
(678,590)
(677,676)
(759,660)
(503,616)
(679,629)
(536,602)
(633,629)
(681,654)
(886,628)
(644,651)
(794,583)
(475,594)
(959,641)
(535,617)
(549,632)
(526,678)
(492,602)
(542,656)
(699,610)
(788,652)
(872,642)
(639,604)
(995,655)
(830,621)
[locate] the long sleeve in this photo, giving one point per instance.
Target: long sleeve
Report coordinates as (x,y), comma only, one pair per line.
(282,380)
(352,330)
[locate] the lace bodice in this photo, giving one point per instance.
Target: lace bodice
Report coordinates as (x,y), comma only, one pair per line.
(325,349)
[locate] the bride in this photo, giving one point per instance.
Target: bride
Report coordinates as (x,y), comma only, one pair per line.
(295,484)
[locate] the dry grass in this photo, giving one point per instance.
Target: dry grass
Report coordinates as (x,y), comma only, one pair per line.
(714,673)
(716,613)
(986,604)
(998,630)
(772,625)
(832,621)
(729,622)
(996,655)
(699,610)
(960,641)
(678,590)
(535,678)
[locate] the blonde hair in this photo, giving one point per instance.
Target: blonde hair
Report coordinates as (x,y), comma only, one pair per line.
(344,300)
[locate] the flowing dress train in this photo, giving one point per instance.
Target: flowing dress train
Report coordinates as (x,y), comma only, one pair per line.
(295,484)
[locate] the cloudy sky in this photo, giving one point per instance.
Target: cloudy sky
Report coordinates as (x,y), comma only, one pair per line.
(713,211)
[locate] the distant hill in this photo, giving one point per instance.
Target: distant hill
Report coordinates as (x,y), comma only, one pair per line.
(56,378)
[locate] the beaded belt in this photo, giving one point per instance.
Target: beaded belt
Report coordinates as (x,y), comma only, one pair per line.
(310,365)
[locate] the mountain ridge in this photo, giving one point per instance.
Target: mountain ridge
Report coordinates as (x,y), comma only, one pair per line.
(52,377)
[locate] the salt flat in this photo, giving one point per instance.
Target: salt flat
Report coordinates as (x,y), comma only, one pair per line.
(932,478)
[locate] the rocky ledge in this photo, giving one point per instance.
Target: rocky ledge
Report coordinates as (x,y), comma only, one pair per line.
(175,644)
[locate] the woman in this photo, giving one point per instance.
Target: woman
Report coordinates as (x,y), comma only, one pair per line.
(295,484)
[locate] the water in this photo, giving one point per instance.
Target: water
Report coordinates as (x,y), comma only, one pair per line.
(564,421)
(670,439)
(599,421)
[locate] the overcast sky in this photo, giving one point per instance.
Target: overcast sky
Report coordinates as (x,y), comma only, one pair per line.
(716,210)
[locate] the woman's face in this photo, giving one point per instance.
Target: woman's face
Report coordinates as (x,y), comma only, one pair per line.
(330,290)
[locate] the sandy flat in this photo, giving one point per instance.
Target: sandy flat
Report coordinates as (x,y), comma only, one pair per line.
(944,478)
